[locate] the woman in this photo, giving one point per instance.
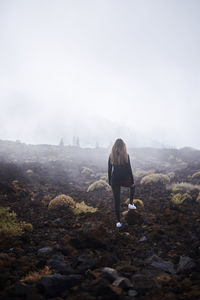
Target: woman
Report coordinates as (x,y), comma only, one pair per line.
(120,174)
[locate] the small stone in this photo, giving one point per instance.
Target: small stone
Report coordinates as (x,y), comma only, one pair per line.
(110,273)
(21,289)
(56,284)
(132,293)
(145,282)
(45,250)
(60,265)
(185,264)
(57,221)
(122,282)
(158,263)
(143,239)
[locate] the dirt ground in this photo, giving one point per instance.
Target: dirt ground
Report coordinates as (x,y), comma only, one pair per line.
(154,255)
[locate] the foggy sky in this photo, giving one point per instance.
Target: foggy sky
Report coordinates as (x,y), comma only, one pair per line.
(100,69)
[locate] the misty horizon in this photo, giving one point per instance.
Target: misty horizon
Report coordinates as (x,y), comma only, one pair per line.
(99,71)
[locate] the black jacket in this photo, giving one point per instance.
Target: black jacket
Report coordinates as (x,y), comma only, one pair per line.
(120,174)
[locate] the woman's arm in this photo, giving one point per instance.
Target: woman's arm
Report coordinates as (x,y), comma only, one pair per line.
(130,170)
(109,171)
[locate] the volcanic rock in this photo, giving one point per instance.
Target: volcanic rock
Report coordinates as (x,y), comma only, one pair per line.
(110,273)
(56,284)
(58,264)
(186,264)
(134,217)
(157,262)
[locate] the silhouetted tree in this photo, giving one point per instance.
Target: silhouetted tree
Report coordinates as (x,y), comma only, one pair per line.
(77,142)
(61,144)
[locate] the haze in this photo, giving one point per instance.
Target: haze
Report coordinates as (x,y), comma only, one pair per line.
(99,70)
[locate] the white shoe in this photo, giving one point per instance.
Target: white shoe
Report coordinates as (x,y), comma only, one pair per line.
(131,206)
(119,224)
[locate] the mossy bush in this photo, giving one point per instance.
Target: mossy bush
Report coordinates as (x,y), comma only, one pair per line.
(83,208)
(104,177)
(138,202)
(184,187)
(87,171)
(10,225)
(138,175)
(171,175)
(155,178)
(62,201)
(196,175)
(99,185)
(67,202)
(180,198)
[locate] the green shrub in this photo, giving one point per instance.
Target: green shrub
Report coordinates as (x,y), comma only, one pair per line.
(180,198)
(26,226)
(83,208)
(10,225)
(155,178)
(99,184)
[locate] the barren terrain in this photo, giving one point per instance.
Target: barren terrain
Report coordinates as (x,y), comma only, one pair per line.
(155,255)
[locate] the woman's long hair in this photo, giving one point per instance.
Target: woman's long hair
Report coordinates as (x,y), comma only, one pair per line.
(119,155)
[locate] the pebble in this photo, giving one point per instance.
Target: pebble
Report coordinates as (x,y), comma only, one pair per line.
(45,250)
(143,239)
(132,293)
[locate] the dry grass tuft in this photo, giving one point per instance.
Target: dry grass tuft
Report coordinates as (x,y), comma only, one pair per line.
(124,213)
(135,201)
(99,185)
(138,201)
(155,178)
(62,200)
(26,226)
(35,276)
(198,198)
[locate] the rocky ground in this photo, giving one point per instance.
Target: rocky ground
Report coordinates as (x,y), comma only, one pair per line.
(155,255)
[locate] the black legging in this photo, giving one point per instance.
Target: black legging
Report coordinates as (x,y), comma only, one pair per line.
(116,194)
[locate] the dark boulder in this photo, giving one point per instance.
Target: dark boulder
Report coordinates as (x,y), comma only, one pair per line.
(186,264)
(158,263)
(57,284)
